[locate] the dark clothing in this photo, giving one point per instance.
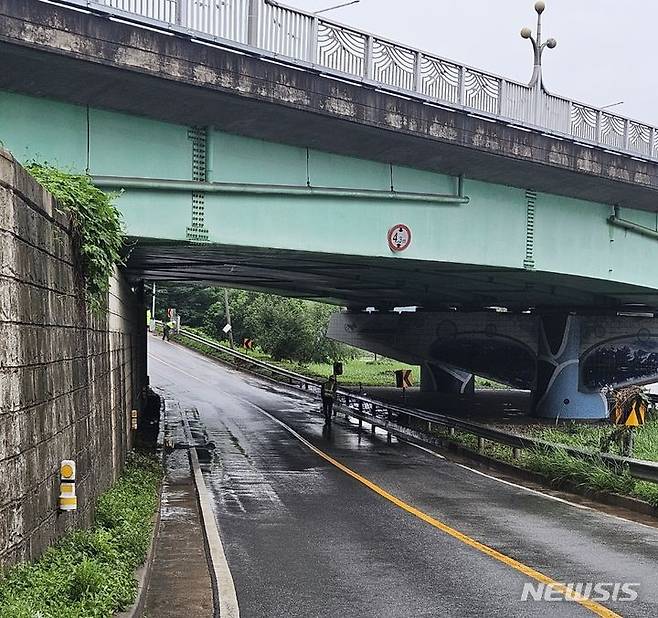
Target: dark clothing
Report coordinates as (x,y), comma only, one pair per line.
(328,394)
(166,330)
(327,408)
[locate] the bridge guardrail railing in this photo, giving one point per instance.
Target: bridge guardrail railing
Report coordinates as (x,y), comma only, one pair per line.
(271,29)
(387,417)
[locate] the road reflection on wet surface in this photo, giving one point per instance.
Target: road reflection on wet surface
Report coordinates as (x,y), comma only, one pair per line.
(305,539)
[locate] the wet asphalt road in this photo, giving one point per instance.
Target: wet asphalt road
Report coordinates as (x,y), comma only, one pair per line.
(304,539)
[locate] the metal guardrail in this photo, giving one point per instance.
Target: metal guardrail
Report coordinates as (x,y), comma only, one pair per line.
(387,416)
(266,28)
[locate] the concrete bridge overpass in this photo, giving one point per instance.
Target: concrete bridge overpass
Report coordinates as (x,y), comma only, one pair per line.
(261,169)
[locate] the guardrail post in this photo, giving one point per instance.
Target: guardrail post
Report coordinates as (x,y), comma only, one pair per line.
(599,122)
(181,13)
(652,146)
(252,22)
(388,419)
(480,444)
(516,453)
(627,134)
(373,411)
(367,60)
(451,431)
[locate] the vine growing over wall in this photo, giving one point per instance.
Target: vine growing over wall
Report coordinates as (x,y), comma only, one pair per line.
(97,228)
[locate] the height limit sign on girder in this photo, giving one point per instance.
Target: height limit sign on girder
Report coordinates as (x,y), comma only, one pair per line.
(399,237)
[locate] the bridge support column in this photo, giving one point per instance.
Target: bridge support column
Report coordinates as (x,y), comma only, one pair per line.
(440,379)
(557,393)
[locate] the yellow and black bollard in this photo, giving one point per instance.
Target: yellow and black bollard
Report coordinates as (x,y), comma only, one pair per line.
(67,498)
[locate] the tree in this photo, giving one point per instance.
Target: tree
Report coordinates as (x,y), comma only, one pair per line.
(284,328)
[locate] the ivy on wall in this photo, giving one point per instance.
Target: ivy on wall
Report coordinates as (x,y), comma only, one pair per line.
(97,227)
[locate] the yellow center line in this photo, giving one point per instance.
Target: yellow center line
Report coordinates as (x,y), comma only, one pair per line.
(528,571)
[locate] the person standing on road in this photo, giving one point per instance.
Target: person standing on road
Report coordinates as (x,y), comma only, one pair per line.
(166,331)
(328,394)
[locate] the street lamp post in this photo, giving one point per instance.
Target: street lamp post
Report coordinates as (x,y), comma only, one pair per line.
(338,6)
(537,45)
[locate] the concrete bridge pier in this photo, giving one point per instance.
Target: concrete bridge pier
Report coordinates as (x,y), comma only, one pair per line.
(559,392)
(440,378)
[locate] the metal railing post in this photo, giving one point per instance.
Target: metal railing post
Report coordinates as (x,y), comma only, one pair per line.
(367,60)
(627,134)
(461,95)
(312,50)
(502,97)
(418,75)
(652,142)
(252,22)
(181,13)
(599,122)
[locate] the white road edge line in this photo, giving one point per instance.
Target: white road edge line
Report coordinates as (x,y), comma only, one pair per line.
(494,478)
(527,489)
(423,448)
(228,599)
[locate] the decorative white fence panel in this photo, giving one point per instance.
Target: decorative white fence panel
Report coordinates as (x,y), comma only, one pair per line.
(160,10)
(340,49)
(440,79)
(553,112)
(298,35)
(393,65)
(227,19)
(284,31)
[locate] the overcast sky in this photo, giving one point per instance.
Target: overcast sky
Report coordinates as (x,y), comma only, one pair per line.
(606,48)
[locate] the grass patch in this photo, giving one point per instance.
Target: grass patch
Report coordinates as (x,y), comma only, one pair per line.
(90,573)
(558,466)
(590,474)
(588,436)
(363,371)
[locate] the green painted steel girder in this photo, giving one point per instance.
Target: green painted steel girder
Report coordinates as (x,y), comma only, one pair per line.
(207,205)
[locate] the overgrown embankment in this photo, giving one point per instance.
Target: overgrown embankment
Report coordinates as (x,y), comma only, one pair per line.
(561,468)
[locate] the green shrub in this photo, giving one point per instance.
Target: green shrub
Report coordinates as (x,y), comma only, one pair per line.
(90,573)
(96,224)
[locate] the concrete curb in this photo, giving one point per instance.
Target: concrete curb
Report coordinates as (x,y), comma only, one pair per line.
(223,586)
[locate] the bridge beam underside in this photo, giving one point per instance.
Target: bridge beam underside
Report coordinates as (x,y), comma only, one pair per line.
(566,360)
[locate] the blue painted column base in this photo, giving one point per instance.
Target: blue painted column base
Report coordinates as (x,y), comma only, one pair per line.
(440,379)
(557,394)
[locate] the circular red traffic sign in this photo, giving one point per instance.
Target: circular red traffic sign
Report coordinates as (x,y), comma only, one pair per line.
(399,237)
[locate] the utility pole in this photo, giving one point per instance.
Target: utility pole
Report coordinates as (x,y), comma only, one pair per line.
(227,310)
(153,303)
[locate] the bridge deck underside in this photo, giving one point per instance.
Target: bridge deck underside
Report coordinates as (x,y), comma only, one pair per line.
(358,281)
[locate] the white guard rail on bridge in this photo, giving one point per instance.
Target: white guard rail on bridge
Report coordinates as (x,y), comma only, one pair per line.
(388,417)
(266,28)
